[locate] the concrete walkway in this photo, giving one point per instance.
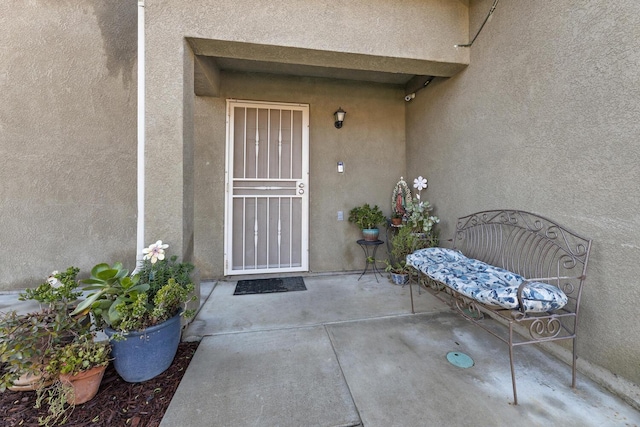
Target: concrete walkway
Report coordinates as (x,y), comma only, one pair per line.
(348,353)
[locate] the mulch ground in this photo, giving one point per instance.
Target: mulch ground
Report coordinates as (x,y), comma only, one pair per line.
(118,403)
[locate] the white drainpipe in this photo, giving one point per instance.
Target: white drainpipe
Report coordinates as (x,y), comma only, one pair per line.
(141,135)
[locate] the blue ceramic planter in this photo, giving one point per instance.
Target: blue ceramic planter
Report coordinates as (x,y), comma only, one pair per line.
(370,234)
(399,279)
(143,355)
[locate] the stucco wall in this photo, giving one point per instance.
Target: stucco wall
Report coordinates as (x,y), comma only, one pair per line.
(546,119)
(67,136)
(419,29)
(371,145)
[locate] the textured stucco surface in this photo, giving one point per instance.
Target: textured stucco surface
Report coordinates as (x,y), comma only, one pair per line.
(419,29)
(67,136)
(546,119)
(415,29)
(371,145)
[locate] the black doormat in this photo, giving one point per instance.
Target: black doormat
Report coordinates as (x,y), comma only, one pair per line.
(267,286)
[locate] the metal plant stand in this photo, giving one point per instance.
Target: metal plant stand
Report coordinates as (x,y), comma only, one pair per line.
(370,259)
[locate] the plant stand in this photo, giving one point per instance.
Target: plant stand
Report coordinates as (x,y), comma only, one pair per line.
(370,259)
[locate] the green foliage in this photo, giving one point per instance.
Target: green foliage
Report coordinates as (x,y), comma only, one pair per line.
(405,242)
(28,341)
(82,354)
(158,274)
(418,218)
(55,396)
(366,216)
(169,299)
(113,288)
(126,303)
(60,288)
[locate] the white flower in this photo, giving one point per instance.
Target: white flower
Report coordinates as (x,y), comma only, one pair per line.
(420,183)
(155,252)
(53,280)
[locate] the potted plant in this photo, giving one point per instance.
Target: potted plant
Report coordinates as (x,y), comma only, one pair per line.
(398,272)
(76,370)
(140,313)
(27,341)
(396,219)
(404,242)
(420,221)
(80,366)
(367,218)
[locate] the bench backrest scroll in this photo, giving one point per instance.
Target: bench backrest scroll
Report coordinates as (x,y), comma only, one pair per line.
(529,245)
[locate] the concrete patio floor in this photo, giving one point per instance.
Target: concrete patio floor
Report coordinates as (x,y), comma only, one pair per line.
(349,353)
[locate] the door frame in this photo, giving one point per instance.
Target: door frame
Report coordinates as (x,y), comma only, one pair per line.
(229,162)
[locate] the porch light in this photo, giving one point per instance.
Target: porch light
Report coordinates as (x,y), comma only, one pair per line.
(339,116)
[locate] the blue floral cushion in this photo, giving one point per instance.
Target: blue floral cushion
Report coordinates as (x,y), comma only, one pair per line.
(485,283)
(435,256)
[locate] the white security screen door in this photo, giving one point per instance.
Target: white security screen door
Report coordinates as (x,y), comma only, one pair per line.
(267,196)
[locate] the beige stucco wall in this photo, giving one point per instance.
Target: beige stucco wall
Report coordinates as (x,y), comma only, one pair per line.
(416,29)
(67,136)
(546,119)
(371,145)
(419,29)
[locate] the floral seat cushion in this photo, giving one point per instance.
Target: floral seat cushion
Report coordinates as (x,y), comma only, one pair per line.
(485,283)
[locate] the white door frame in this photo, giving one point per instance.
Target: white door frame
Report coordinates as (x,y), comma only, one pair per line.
(301,190)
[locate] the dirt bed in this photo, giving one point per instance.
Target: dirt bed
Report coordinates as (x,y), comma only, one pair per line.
(118,403)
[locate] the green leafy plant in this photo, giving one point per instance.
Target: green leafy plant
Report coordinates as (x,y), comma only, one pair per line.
(366,217)
(83,353)
(59,288)
(125,303)
(158,274)
(404,242)
(114,287)
(167,302)
(418,216)
(28,341)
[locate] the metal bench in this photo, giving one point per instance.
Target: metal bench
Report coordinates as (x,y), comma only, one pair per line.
(535,252)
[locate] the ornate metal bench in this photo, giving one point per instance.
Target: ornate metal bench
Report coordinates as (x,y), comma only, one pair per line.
(519,268)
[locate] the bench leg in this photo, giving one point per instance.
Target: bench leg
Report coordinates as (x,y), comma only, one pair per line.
(411,293)
(513,373)
(573,366)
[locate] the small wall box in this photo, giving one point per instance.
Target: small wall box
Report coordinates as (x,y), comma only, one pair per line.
(340,167)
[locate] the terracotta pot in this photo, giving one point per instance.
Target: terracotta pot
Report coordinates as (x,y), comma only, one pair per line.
(85,384)
(396,221)
(28,382)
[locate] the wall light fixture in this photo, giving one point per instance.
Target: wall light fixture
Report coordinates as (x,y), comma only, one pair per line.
(339,116)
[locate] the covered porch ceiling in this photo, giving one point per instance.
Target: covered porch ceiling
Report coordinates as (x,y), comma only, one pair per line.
(213,56)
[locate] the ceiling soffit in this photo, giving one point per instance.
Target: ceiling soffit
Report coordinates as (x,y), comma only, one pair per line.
(218,55)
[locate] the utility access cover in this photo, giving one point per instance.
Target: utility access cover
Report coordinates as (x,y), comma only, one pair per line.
(460,360)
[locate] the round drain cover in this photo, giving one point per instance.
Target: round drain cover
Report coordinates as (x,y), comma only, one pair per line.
(460,360)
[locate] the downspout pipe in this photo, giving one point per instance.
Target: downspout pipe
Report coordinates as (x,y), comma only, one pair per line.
(140,241)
